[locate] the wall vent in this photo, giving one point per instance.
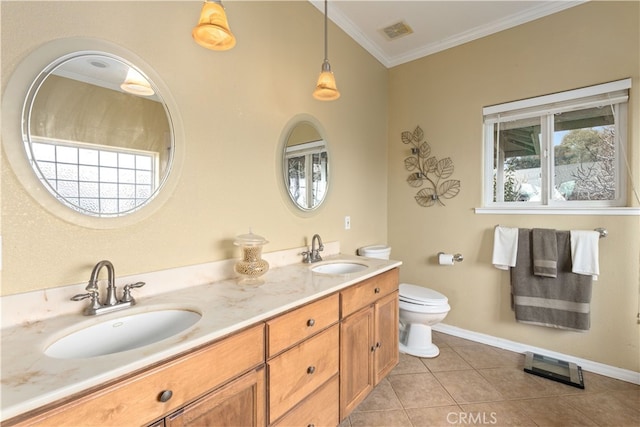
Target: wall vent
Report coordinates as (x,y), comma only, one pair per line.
(397,30)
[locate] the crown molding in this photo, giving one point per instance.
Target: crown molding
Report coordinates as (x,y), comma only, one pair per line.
(502,24)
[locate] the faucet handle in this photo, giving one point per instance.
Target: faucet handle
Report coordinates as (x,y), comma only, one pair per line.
(80,297)
(126,291)
(135,285)
(93,295)
(305,256)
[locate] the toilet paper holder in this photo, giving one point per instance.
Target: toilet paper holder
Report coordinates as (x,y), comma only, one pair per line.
(456,257)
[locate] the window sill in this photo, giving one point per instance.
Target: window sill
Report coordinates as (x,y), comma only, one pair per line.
(635,211)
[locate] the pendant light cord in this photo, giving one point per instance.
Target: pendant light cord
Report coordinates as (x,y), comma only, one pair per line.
(326,50)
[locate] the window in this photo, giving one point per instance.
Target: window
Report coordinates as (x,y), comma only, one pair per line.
(562,150)
(99,180)
(307,170)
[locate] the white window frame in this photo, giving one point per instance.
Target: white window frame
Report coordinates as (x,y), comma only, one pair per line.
(153,185)
(612,95)
(307,150)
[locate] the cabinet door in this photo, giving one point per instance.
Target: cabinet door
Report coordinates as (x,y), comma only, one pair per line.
(241,403)
(356,359)
(386,332)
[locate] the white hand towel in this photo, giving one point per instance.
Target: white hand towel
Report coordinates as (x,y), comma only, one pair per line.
(505,247)
(584,252)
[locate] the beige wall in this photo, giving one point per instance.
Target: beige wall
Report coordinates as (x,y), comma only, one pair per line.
(234,106)
(66,109)
(444,93)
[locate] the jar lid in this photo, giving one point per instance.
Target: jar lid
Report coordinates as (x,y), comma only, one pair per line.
(250,239)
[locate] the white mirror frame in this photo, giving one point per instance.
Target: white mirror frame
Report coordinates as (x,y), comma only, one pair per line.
(13,100)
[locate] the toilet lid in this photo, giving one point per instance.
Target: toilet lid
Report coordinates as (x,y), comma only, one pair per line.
(419,295)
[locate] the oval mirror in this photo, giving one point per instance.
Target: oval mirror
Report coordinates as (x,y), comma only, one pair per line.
(306,165)
(98,134)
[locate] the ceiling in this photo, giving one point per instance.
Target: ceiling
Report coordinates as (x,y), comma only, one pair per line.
(436,25)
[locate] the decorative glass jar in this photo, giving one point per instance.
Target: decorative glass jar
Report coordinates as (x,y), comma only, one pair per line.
(251,267)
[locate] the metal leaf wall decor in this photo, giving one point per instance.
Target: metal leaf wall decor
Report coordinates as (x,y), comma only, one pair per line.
(427,170)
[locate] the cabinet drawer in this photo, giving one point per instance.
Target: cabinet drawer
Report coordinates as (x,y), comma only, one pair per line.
(297,372)
(136,400)
(368,291)
(240,402)
(320,409)
(291,328)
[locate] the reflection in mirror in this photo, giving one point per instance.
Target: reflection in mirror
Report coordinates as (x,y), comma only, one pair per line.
(97,134)
(306,166)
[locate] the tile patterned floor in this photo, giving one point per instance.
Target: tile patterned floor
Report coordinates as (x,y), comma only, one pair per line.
(476,384)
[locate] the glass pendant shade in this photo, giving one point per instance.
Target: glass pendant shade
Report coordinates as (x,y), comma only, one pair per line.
(136,84)
(326,89)
(212,31)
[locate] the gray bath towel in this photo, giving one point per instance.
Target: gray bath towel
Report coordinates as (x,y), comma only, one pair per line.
(560,302)
(545,252)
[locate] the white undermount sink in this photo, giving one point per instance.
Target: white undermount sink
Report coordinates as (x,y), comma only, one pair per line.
(122,333)
(339,267)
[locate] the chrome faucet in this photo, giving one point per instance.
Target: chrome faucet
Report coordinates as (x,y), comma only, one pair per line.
(111,302)
(111,285)
(314,256)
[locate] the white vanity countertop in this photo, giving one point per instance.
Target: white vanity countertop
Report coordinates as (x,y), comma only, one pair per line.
(30,379)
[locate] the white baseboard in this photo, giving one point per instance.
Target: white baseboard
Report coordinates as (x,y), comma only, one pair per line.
(587,365)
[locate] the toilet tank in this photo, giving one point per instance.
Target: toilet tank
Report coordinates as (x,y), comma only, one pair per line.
(375,251)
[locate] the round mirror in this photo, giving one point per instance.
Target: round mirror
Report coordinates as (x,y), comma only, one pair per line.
(97,134)
(305,164)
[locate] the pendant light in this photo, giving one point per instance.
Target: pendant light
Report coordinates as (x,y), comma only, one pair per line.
(326,89)
(213,30)
(136,84)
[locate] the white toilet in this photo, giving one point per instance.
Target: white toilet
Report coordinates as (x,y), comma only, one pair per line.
(420,308)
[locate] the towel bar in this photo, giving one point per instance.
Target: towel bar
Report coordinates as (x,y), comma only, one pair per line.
(603,232)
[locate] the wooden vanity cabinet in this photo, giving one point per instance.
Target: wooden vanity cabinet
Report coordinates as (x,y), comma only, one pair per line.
(310,366)
(303,364)
(368,337)
(171,386)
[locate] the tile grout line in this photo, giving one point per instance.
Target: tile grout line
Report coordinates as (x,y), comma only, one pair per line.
(570,398)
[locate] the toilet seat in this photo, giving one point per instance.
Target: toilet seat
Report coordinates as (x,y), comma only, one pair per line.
(427,309)
(419,295)
(422,300)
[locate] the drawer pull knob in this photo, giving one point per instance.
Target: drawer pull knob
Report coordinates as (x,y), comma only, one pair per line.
(165,396)
(378,344)
(311,322)
(376,290)
(311,369)
(311,425)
